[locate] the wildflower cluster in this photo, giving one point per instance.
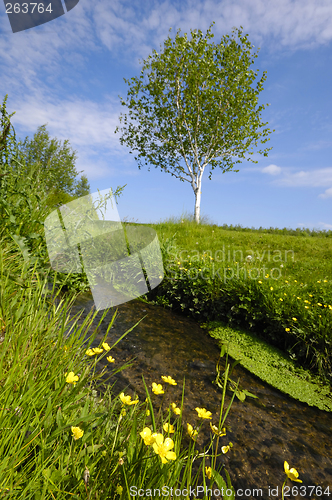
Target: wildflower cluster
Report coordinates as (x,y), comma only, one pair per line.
(98,350)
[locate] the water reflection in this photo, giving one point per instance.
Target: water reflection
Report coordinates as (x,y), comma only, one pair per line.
(265,432)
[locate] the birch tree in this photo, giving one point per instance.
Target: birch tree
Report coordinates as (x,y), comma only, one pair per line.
(197,107)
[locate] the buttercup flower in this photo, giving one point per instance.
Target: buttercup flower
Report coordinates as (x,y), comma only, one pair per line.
(71,378)
(175,409)
(90,352)
(147,436)
(77,432)
(106,346)
(192,433)
(162,448)
(110,359)
(126,400)
(225,449)
(119,489)
(203,413)
(97,350)
(169,380)
(157,388)
(168,428)
(215,430)
(208,472)
(291,473)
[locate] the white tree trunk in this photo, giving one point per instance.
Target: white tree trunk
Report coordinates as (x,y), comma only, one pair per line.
(198,194)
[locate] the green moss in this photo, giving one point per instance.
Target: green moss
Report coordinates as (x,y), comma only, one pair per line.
(272,366)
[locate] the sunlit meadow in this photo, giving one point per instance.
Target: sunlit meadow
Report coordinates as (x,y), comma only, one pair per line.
(63,432)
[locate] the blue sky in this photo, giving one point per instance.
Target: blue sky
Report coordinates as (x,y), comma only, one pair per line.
(69,72)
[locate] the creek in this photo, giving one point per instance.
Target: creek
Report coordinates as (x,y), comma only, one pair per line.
(265,431)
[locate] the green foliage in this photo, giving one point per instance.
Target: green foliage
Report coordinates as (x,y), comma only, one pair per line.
(40,406)
(198,107)
(207,277)
(58,198)
(57,163)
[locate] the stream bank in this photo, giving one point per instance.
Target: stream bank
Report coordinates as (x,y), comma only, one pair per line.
(265,431)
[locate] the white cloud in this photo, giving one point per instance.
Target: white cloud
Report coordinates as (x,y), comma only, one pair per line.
(311,178)
(327,194)
(312,225)
(272,170)
(325,226)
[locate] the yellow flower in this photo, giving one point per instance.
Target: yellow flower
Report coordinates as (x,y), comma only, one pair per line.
(215,430)
(287,329)
(225,449)
(325,281)
(110,359)
(294,319)
(286,281)
(106,346)
(291,473)
(147,413)
(203,413)
(192,433)
(157,388)
(126,400)
(147,436)
(306,307)
(271,287)
(260,282)
(77,432)
(281,300)
(169,380)
(208,472)
(310,295)
(119,489)
(319,304)
(175,409)
(71,378)
(168,428)
(97,350)
(162,448)
(295,281)
(90,352)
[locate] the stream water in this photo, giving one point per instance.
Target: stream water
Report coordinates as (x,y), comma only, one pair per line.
(265,431)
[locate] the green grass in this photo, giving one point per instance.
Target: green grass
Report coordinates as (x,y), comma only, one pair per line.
(64,434)
(40,406)
(283,294)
